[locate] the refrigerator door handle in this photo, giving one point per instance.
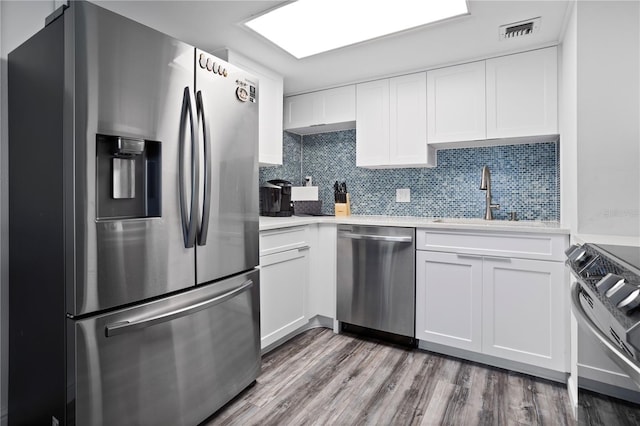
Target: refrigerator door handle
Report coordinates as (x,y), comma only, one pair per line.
(122,327)
(206,204)
(188,214)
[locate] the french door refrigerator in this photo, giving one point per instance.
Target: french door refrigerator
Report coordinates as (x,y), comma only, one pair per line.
(133,222)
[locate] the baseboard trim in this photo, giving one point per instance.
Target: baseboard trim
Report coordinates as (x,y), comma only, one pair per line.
(318,321)
(544,373)
(609,390)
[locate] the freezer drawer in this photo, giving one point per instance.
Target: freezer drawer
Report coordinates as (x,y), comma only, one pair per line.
(173,361)
(376,278)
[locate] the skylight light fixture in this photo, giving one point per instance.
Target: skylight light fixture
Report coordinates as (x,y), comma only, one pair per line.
(307,27)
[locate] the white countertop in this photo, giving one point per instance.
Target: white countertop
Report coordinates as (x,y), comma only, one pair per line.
(267,223)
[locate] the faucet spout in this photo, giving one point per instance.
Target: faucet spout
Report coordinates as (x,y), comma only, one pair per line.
(485,185)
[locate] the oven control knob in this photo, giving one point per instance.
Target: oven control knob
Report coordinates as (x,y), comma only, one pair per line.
(575,254)
(209,64)
(630,302)
(621,291)
(570,252)
(202,61)
(608,282)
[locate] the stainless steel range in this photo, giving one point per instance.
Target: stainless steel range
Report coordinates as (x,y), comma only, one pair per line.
(606,299)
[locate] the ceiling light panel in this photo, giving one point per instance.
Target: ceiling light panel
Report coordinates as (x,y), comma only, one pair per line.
(307,27)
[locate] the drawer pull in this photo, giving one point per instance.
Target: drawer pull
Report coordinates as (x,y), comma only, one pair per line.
(122,327)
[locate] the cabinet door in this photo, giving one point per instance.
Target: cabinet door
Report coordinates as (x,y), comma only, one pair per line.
(524,306)
(456,103)
(372,123)
(338,105)
(449,299)
(522,94)
(322,261)
(299,111)
(408,120)
(284,278)
(269,108)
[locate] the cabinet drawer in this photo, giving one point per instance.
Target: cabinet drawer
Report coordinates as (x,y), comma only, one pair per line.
(283,239)
(517,245)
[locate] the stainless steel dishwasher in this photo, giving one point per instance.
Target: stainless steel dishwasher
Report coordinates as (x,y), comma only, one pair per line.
(376,278)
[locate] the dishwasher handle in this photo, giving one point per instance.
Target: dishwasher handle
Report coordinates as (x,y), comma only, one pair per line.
(388,238)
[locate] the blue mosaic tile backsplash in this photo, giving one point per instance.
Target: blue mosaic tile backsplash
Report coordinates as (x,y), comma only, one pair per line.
(524,179)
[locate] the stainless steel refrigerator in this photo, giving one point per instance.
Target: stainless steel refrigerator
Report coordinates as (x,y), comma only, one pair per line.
(133,221)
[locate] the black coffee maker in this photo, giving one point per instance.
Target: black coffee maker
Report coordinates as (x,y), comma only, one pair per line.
(275,198)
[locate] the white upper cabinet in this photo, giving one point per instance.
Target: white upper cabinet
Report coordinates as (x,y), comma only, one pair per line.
(456,103)
(372,123)
(408,120)
(391,123)
(322,111)
(270,95)
(522,94)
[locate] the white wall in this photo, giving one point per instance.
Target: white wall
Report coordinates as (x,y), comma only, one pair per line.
(568,112)
(19,20)
(608,116)
(568,120)
(600,147)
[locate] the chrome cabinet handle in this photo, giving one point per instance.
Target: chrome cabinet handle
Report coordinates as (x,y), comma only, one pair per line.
(377,238)
(468,256)
(122,327)
(498,258)
(206,202)
(482,256)
(188,215)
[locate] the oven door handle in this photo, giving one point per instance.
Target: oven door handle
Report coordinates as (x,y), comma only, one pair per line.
(611,350)
(122,327)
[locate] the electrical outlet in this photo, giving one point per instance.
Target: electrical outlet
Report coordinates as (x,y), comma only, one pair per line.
(403,195)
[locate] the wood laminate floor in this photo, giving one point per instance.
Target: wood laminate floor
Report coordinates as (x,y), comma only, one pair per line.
(322,378)
(600,410)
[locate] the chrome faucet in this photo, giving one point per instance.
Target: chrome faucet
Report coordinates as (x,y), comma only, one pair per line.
(485,185)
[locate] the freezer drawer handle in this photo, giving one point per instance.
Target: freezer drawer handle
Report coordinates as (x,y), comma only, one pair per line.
(122,327)
(377,238)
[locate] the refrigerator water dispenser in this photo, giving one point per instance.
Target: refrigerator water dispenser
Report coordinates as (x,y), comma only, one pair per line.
(128,177)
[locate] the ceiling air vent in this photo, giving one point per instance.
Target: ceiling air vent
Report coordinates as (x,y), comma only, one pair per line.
(520,29)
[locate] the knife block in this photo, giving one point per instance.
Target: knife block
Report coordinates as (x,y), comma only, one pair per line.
(343,209)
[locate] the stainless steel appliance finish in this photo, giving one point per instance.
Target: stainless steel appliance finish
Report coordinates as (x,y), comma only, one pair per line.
(228,220)
(129,82)
(376,278)
(143,207)
(166,360)
(605,300)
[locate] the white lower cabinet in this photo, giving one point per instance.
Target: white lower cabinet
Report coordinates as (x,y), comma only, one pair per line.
(449,299)
(507,307)
(297,281)
(284,279)
(523,311)
(284,282)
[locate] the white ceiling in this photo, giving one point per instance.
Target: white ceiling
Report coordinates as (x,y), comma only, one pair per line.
(212,25)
